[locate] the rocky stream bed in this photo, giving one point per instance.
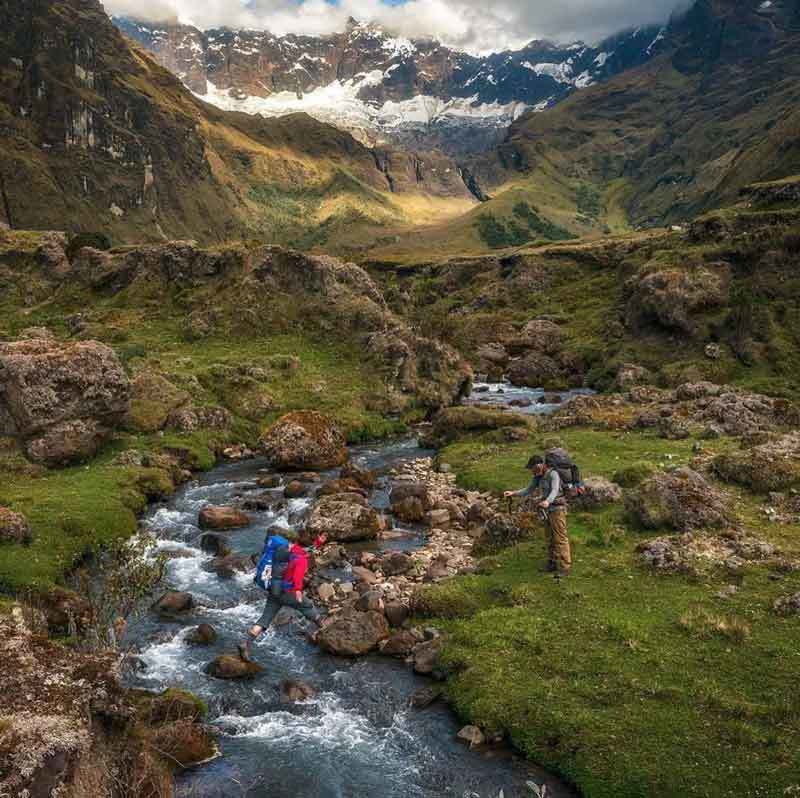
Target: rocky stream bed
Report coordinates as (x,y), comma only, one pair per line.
(362,729)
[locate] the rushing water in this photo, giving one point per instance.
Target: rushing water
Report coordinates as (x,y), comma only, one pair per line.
(358,738)
(531,401)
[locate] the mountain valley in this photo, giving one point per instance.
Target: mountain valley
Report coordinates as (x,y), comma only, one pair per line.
(348,284)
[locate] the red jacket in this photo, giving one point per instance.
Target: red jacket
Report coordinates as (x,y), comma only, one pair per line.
(297,567)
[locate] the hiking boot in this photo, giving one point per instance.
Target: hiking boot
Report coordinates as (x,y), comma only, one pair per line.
(244,651)
(559,575)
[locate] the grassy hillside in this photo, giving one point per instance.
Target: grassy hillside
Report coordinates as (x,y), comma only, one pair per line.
(655,145)
(252,332)
(602,294)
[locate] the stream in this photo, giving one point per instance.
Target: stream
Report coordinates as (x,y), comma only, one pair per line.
(358,737)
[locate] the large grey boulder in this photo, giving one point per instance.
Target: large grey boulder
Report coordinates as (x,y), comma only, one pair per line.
(61,400)
(352,633)
(305,440)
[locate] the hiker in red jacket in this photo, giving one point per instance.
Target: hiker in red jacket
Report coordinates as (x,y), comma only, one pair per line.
(291,595)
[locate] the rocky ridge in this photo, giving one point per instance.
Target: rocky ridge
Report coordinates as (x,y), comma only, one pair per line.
(382,87)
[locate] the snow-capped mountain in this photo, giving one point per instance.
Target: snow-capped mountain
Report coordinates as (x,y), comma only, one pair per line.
(384,88)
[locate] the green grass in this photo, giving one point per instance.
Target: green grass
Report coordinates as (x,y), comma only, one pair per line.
(626,682)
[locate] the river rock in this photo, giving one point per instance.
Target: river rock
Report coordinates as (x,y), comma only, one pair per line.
(304,440)
(294,690)
(174,602)
(471,735)
(535,370)
(326,592)
(269,481)
(438,569)
(427,656)
(397,613)
(286,616)
(343,520)
(411,510)
(228,566)
(342,485)
(352,633)
(396,563)
(438,518)
(295,489)
(223,518)
(425,696)
(400,644)
(214,544)
(14,527)
(61,400)
(371,601)
(229,666)
(203,635)
(408,490)
(452,422)
(365,575)
(361,476)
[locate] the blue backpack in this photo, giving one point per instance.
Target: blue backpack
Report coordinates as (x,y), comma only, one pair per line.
(264,568)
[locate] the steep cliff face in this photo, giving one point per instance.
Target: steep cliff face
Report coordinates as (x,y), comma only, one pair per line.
(95,135)
(382,87)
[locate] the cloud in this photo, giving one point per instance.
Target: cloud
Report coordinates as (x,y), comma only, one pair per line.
(475,25)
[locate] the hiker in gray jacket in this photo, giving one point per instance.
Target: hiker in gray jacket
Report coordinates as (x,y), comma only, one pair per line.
(548,484)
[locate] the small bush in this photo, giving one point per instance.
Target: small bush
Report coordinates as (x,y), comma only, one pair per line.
(633,475)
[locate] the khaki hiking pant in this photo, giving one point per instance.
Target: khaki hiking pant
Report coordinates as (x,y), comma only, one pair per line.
(558,551)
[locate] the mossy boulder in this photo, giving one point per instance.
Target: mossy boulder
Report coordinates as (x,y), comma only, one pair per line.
(172,705)
(153,399)
(305,440)
(61,400)
(183,741)
(671,297)
(453,422)
(771,466)
(680,499)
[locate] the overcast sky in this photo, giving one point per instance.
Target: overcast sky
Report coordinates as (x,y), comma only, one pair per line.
(475,25)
